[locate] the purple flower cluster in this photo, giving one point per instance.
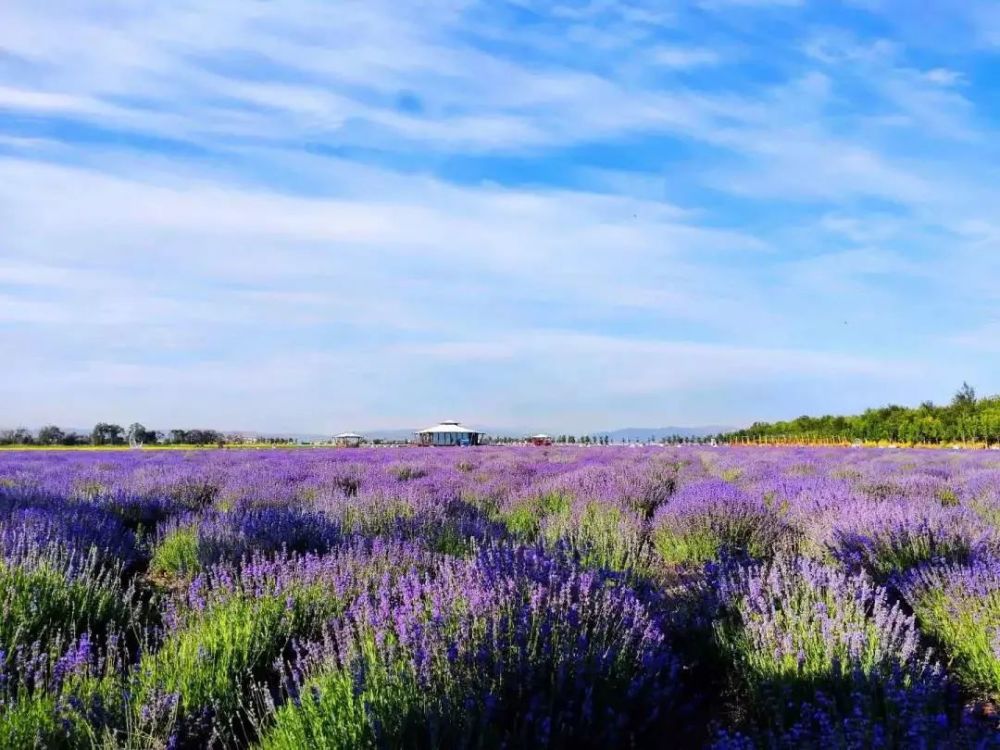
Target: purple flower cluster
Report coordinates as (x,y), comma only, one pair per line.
(35,518)
(826,659)
(890,537)
(500,597)
(708,519)
(512,646)
(959,604)
(229,536)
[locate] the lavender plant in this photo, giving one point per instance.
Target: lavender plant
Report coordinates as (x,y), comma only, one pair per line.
(196,542)
(498,597)
(710,519)
(892,537)
(50,595)
(959,605)
(513,648)
(823,658)
(231,624)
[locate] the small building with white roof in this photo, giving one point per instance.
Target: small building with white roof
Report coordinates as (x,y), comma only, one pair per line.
(448,432)
(348,440)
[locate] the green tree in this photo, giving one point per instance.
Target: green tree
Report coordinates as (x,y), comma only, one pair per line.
(965,417)
(107,434)
(50,435)
(140,434)
(965,397)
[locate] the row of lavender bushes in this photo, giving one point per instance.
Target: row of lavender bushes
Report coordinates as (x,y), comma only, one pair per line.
(508,597)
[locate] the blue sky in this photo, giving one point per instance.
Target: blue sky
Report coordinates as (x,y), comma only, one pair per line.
(315,216)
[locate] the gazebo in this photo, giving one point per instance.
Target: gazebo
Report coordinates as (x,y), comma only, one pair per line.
(448,432)
(348,440)
(540,439)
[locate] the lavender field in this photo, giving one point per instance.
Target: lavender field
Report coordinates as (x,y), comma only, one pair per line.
(500,597)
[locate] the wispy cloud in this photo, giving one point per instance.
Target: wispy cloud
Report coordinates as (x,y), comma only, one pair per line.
(584,209)
(685,57)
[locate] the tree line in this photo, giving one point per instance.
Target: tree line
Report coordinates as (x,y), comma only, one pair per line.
(608,440)
(568,439)
(106,433)
(965,419)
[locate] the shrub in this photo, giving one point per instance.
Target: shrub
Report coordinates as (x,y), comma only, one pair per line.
(177,552)
(712,519)
(524,518)
(959,605)
(892,537)
(74,527)
(202,672)
(405,473)
(231,625)
(48,597)
(512,648)
(202,676)
(195,543)
(822,657)
(69,699)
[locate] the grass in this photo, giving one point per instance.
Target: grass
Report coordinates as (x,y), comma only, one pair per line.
(966,634)
(216,659)
(702,538)
(947,497)
(603,536)
(524,519)
(209,662)
(692,546)
(379,517)
(27,721)
(45,601)
(371,705)
(176,554)
(33,721)
(808,641)
(967,625)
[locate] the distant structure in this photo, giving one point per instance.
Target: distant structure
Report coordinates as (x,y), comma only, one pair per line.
(540,439)
(448,432)
(348,440)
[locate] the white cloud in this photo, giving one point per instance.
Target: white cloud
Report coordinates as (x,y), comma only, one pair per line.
(685,57)
(360,258)
(190,234)
(983,339)
(944,76)
(729,4)
(41,101)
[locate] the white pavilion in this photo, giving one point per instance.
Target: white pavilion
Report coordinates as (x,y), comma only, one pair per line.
(348,440)
(448,432)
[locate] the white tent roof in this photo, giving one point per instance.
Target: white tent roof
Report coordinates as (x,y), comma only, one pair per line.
(347,435)
(447,426)
(541,436)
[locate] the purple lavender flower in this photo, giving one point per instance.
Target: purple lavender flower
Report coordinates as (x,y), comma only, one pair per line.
(824,655)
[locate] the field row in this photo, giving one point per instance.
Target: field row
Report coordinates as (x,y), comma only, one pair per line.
(500,597)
